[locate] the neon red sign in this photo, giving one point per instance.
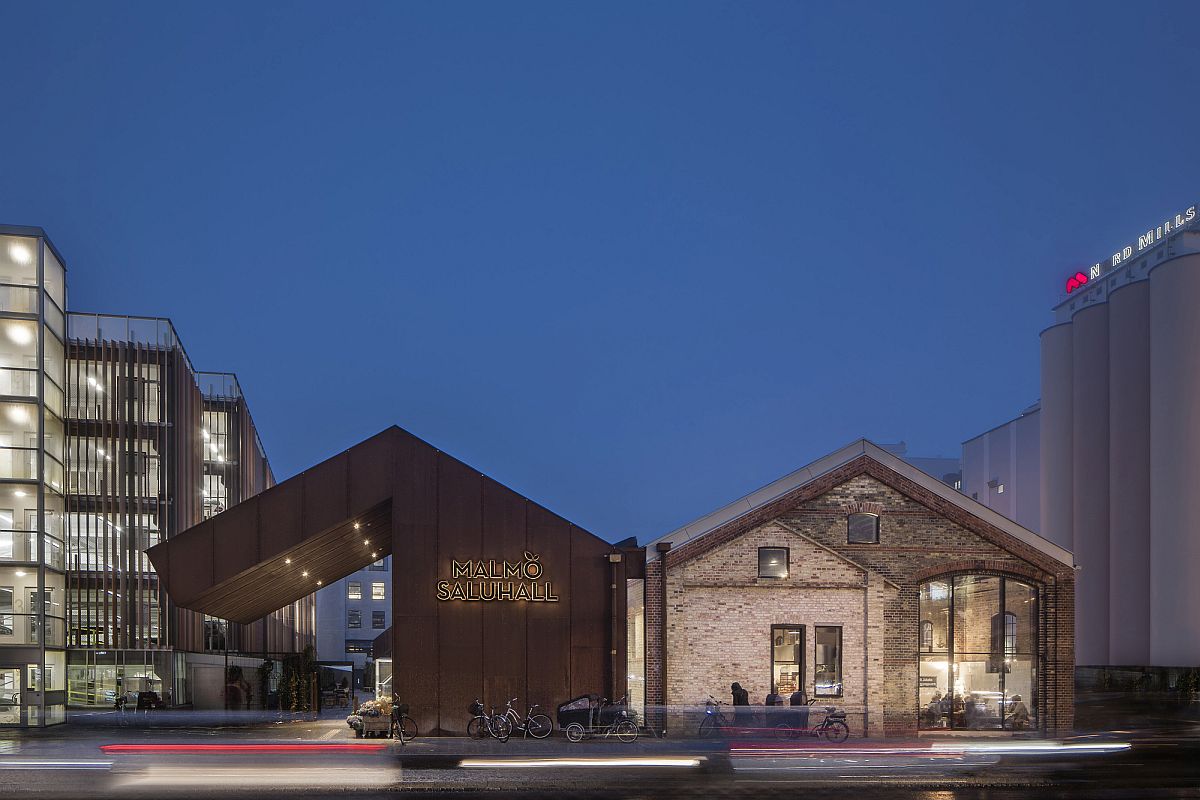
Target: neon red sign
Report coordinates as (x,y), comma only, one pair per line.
(1075,281)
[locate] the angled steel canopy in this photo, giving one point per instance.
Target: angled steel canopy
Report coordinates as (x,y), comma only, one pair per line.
(272,549)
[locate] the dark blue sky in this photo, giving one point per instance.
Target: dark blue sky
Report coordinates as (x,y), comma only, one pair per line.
(632,259)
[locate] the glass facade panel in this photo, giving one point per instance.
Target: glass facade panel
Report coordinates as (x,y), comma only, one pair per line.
(986,677)
(54,277)
(18,261)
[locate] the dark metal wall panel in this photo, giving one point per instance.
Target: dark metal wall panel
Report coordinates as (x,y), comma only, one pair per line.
(549,624)
(504,622)
(326,494)
(372,470)
(235,540)
(460,624)
(416,658)
(191,564)
(279,513)
(590,614)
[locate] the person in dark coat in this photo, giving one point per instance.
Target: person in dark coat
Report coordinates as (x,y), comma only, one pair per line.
(800,708)
(741,699)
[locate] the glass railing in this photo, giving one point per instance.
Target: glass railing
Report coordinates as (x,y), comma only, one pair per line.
(19,462)
(18,299)
(19,546)
(27,629)
(18,382)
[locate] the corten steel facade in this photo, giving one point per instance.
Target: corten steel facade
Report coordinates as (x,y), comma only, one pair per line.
(1120,450)
(153,448)
(949,600)
(395,495)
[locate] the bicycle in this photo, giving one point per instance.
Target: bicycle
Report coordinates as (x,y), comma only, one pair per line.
(538,726)
(833,727)
(402,723)
(714,720)
(487,724)
(622,725)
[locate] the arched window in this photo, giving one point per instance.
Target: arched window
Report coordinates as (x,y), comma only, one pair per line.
(862,528)
(926,636)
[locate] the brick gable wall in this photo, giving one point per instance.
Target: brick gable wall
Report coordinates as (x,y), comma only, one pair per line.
(719,613)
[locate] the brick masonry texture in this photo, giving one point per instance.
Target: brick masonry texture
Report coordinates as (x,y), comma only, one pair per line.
(719,613)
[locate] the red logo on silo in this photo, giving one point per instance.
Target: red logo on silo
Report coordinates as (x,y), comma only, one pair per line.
(1075,281)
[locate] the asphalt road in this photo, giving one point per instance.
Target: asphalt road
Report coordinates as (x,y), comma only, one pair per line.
(321,759)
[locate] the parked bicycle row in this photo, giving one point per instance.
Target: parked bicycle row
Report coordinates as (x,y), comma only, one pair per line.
(593,716)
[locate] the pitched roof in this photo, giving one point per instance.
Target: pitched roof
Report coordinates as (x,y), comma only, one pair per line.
(746,508)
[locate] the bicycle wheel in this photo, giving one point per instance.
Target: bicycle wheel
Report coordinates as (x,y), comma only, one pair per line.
(785,732)
(477,728)
(539,726)
(836,731)
(500,728)
(408,728)
(575,732)
(626,731)
(709,727)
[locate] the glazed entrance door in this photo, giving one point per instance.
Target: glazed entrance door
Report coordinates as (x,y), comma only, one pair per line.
(10,695)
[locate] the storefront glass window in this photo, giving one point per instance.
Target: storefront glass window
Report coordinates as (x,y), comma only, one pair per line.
(978,642)
(787,659)
(827,666)
(635,644)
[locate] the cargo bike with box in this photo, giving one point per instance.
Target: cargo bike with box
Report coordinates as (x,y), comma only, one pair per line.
(591,715)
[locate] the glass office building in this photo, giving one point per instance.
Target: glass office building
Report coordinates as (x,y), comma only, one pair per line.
(32,441)
(110,442)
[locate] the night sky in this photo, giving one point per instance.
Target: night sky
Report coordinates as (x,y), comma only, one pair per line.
(632,259)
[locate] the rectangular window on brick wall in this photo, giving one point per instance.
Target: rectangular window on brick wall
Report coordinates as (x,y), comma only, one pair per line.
(827,661)
(773,562)
(787,659)
(862,529)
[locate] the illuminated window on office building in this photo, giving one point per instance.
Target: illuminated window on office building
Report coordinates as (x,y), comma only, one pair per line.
(378,590)
(354,590)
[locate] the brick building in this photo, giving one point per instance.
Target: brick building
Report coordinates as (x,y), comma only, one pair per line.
(866,584)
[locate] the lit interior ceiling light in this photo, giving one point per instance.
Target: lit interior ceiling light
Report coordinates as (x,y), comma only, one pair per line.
(91,381)
(220,458)
(204,432)
(20,334)
(19,493)
(18,414)
(366,541)
(318,583)
(287,561)
(356,526)
(20,253)
(374,555)
(304,574)
(20,573)
(108,458)
(100,450)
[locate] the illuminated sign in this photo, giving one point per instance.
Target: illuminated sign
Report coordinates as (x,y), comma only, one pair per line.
(1146,240)
(498,580)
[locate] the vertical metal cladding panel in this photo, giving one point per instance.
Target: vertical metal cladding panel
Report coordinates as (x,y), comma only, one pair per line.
(415,652)
(1090,480)
(1129,474)
(460,622)
(504,634)
(591,610)
(549,624)
(1057,434)
(1175,462)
